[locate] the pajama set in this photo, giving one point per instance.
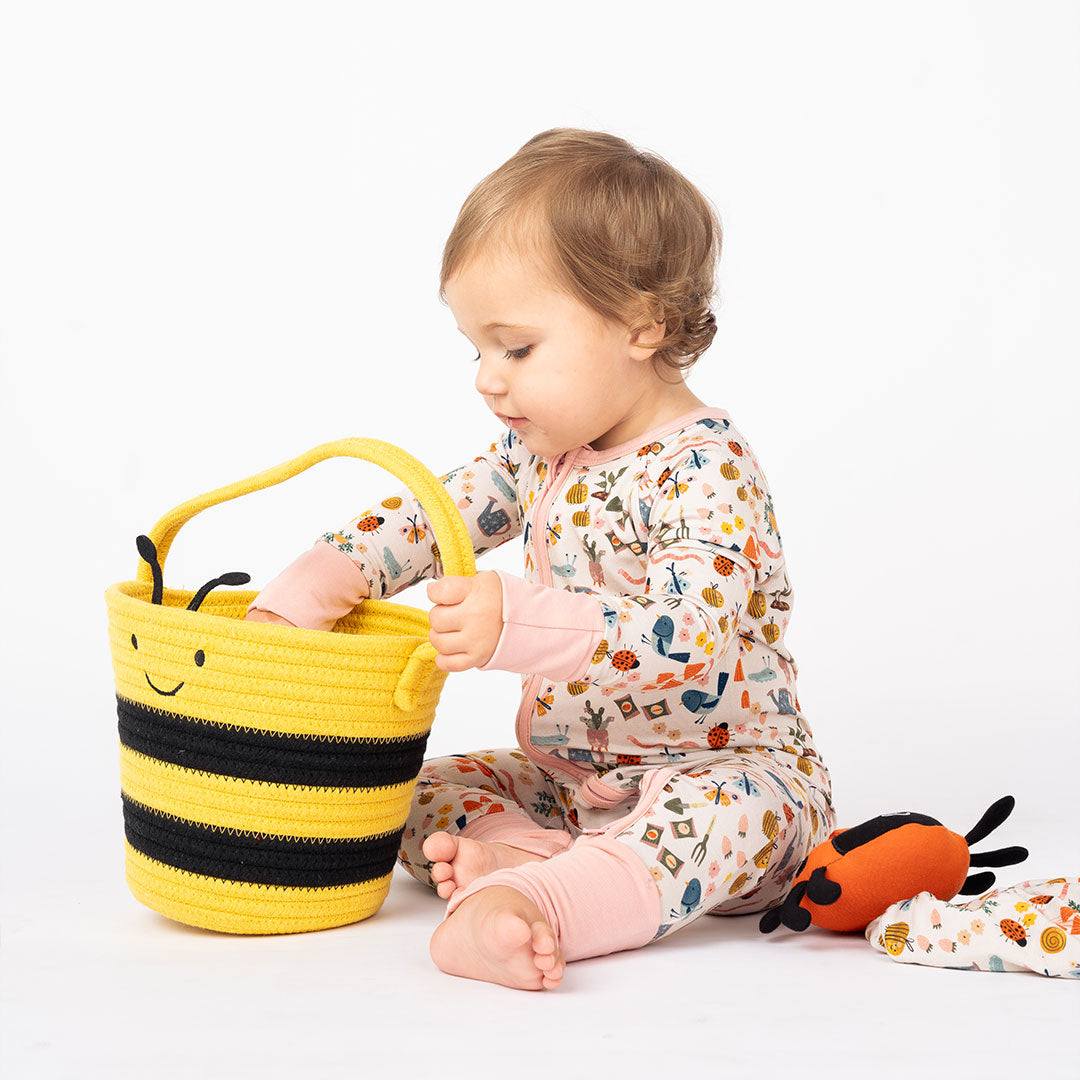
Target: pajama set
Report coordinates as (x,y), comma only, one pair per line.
(661,748)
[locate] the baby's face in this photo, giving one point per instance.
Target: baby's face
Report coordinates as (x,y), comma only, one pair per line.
(575,378)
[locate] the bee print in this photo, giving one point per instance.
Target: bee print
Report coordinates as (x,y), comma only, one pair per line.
(895,939)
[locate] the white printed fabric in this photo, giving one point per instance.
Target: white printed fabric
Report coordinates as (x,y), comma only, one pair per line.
(1033,926)
(676,538)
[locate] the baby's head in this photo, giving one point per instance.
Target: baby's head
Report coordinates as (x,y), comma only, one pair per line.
(597,262)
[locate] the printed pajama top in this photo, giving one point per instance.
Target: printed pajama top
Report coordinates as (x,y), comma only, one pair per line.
(670,545)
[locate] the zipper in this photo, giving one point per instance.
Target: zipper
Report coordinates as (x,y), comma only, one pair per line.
(523,727)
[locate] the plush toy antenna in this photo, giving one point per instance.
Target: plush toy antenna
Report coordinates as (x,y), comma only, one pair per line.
(235,577)
(149,554)
(994,816)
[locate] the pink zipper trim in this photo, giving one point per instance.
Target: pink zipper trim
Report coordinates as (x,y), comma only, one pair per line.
(543,563)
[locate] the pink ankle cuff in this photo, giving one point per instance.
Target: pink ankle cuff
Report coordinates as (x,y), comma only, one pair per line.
(598,897)
(517,831)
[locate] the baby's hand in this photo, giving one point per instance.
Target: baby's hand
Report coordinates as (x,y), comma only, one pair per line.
(466,621)
(267,616)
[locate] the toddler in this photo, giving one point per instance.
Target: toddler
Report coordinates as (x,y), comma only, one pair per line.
(663,769)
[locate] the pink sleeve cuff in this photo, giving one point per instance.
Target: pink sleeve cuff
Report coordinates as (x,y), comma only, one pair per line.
(546,631)
(316,589)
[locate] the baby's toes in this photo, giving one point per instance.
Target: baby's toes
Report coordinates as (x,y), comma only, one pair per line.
(440,847)
(543,940)
(447,888)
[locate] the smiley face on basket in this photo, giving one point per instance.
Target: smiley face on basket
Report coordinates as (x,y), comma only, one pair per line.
(149,554)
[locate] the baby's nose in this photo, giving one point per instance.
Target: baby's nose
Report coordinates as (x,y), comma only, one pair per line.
(490,383)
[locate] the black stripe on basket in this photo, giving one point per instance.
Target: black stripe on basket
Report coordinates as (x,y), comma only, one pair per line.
(233,855)
(259,755)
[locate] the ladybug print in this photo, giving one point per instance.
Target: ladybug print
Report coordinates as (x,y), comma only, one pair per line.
(625,660)
(719,736)
(370,523)
(724,566)
(1013,931)
(627,759)
(651,448)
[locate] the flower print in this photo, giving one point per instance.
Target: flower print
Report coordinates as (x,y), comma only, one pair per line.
(739,523)
(714,868)
(675,734)
(684,634)
(624,615)
(1029,919)
(658,728)
(726,526)
(978,926)
(687,619)
(963,937)
(1022,905)
(710,888)
(701,639)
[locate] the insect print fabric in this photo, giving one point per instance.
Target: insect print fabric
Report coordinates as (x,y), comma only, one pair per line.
(676,537)
(721,840)
(1033,926)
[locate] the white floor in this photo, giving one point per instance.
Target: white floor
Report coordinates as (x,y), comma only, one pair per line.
(96,985)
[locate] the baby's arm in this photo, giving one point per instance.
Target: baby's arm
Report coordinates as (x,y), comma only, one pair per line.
(391,546)
(698,581)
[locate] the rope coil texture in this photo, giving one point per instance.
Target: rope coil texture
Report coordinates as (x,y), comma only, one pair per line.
(266,772)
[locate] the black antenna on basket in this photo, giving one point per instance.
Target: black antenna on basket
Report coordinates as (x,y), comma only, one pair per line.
(149,554)
(235,577)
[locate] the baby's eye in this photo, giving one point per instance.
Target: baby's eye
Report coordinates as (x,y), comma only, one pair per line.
(517,354)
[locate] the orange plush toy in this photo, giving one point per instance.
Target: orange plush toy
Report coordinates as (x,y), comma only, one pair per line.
(852,877)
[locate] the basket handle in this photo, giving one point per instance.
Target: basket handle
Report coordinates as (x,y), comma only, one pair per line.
(451,532)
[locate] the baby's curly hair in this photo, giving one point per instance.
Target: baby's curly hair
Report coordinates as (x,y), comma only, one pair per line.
(617,228)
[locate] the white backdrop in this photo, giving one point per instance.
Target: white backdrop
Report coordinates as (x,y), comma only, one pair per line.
(222,225)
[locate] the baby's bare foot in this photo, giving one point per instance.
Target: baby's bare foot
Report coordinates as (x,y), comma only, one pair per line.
(458,860)
(499,935)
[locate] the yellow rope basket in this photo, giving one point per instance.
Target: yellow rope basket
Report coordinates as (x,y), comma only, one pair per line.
(267,772)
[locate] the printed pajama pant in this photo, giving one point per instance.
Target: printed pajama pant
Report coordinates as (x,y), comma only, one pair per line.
(723,838)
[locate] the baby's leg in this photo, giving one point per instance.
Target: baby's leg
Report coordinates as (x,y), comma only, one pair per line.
(693,843)
(474,813)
